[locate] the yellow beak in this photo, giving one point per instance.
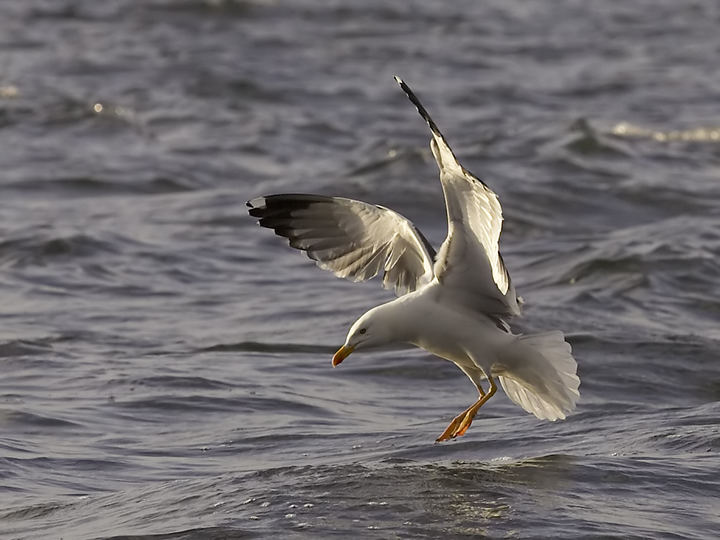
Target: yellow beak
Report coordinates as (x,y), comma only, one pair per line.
(342,354)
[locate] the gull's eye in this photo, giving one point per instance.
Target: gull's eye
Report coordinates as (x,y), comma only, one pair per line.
(363,330)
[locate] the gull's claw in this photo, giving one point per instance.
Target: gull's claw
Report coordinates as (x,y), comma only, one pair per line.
(451,431)
(460,424)
(465,424)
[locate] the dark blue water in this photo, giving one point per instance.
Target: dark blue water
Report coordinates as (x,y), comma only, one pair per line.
(165,363)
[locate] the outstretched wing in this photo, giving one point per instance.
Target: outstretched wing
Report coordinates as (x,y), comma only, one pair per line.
(469,260)
(352,239)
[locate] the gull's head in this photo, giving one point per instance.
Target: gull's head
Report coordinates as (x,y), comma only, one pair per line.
(373,329)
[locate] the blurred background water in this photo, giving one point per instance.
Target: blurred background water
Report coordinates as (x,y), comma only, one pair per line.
(165,364)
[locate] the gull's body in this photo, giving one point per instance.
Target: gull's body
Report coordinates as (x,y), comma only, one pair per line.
(448,330)
(454,303)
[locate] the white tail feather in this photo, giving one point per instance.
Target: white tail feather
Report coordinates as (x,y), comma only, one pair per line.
(539,373)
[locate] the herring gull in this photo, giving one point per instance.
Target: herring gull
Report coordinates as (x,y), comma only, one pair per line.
(455,303)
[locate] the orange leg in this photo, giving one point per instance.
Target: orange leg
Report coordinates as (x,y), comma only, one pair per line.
(449,432)
(461,422)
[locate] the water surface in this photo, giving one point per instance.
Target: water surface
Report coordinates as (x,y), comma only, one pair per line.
(166,363)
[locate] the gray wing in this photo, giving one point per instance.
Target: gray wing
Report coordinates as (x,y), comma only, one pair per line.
(352,239)
(469,260)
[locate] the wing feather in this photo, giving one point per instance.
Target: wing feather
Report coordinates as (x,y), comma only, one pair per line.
(352,239)
(469,260)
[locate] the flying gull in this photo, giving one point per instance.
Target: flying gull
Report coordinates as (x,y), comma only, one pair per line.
(455,303)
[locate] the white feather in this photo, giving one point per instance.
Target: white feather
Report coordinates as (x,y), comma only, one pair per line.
(539,373)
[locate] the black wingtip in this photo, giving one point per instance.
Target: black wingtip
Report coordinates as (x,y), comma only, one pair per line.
(256,207)
(282,203)
(415,101)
